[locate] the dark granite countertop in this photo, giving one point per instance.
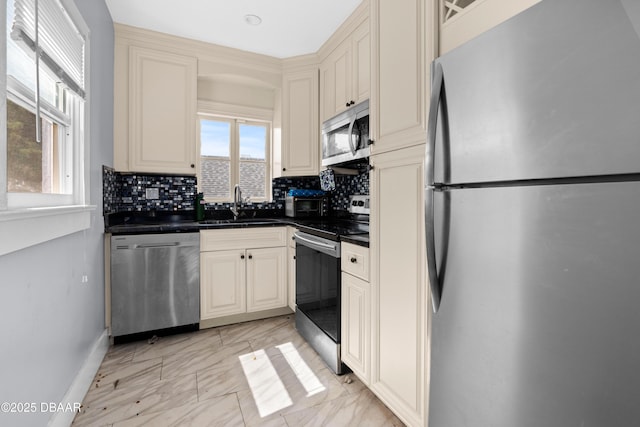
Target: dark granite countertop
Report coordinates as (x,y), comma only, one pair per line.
(339,229)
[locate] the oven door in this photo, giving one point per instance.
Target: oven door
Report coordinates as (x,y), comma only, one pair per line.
(318,282)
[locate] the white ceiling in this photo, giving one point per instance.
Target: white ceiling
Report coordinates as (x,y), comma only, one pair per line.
(289,27)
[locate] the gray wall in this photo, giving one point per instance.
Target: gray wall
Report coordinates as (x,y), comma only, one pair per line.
(49,320)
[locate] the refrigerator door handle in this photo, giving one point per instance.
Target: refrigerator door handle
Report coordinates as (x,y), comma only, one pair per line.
(437,85)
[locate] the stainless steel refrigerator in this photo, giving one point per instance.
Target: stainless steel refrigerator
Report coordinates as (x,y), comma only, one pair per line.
(533,221)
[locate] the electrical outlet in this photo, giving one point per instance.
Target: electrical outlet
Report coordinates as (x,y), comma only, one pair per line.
(85,278)
(152,193)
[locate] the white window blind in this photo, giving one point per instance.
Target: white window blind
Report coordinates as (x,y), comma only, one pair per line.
(61,45)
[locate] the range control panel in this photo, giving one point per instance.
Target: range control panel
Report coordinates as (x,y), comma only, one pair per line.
(359,204)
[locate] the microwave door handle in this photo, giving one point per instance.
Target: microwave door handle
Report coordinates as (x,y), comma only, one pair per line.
(351,144)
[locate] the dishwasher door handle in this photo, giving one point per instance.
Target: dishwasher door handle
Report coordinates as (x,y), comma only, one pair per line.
(156,245)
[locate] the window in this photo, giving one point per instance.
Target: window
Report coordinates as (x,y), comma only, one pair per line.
(234,151)
(45,106)
(43,185)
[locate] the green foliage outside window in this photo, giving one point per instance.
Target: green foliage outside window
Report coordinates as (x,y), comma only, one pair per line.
(24,154)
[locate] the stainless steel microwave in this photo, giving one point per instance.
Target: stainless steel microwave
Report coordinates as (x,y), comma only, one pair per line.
(345,137)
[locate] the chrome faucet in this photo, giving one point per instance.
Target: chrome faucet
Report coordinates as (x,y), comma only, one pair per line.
(237,198)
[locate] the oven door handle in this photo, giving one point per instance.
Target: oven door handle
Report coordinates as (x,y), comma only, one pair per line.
(317,245)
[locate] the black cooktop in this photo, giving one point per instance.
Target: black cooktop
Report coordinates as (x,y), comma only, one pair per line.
(333,228)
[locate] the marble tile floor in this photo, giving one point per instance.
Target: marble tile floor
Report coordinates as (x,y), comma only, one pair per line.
(259,373)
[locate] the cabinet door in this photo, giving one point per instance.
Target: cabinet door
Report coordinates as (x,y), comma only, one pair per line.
(361,63)
(300,128)
(400,292)
(222,283)
(356,342)
(162,111)
(266,278)
(401,54)
(336,81)
(460,25)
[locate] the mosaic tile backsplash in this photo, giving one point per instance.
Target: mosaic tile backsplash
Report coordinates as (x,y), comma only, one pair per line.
(127,192)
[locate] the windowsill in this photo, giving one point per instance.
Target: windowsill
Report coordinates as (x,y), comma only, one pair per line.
(21,228)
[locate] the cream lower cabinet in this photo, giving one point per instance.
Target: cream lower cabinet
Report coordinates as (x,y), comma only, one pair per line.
(355,326)
(291,266)
(222,283)
(266,278)
(243,272)
(400,307)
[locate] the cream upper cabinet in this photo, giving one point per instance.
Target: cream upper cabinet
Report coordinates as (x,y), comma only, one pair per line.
(242,271)
(462,20)
(402,45)
(345,73)
(361,63)
(300,122)
(400,306)
(335,82)
(162,111)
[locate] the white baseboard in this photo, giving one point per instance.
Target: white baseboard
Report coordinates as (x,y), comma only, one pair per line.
(82,382)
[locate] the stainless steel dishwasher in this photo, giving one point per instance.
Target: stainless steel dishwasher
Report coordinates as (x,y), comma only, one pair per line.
(155,282)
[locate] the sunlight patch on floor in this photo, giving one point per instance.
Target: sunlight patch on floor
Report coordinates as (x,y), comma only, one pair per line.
(267,388)
(305,375)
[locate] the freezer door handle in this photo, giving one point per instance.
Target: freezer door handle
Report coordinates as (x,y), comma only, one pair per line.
(437,98)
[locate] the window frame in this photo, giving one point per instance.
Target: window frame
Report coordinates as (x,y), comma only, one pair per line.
(23,97)
(234,153)
(32,220)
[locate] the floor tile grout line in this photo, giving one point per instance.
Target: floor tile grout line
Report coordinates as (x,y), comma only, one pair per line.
(244,421)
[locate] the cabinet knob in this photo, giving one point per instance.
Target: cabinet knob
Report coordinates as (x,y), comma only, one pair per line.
(294,257)
(347,104)
(241,256)
(372,141)
(354,260)
(193,165)
(284,169)
(250,256)
(352,102)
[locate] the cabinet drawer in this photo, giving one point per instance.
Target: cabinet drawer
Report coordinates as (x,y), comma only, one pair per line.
(241,238)
(355,260)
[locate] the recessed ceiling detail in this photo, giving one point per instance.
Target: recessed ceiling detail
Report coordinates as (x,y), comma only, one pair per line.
(252,19)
